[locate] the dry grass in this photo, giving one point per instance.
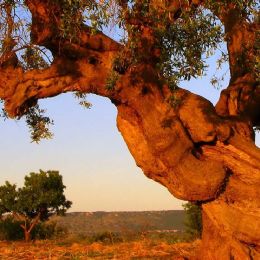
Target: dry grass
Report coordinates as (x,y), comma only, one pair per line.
(145,249)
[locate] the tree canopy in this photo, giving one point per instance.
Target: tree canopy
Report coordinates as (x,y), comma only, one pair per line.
(41,196)
(174,37)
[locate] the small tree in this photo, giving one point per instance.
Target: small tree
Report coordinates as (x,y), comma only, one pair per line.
(193,219)
(41,196)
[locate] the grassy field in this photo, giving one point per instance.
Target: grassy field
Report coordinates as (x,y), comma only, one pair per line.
(58,250)
(109,235)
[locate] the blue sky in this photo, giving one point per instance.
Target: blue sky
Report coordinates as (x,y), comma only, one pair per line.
(89,152)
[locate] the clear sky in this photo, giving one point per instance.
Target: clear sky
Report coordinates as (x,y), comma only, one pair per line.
(89,152)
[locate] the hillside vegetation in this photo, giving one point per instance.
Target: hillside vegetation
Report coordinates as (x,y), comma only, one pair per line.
(121,222)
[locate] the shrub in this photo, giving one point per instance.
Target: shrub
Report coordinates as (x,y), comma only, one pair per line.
(48,230)
(10,229)
(193,220)
(107,237)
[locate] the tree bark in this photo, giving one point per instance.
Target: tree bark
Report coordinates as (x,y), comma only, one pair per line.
(200,158)
(179,139)
(27,236)
(26,231)
(231,223)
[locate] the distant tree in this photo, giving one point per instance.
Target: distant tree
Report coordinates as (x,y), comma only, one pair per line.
(41,196)
(193,221)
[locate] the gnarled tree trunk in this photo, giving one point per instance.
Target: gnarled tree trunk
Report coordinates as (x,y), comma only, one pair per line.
(199,152)
(200,157)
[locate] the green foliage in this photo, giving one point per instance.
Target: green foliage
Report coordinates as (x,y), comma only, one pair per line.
(77,12)
(10,229)
(34,58)
(83,99)
(193,222)
(174,101)
(107,237)
(8,197)
(43,193)
(247,7)
(185,43)
(38,124)
(184,39)
(48,230)
(111,80)
(71,17)
(197,33)
(41,196)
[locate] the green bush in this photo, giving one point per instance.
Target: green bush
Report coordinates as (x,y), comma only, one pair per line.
(10,230)
(193,220)
(48,230)
(107,237)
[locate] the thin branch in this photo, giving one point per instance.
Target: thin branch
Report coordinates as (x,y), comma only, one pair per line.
(35,47)
(19,216)
(10,21)
(34,222)
(23,227)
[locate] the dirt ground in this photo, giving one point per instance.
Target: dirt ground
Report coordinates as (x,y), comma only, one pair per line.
(55,250)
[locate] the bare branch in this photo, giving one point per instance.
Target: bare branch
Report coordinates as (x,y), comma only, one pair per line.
(34,222)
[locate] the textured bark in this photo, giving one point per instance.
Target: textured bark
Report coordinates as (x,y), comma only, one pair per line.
(27,236)
(198,152)
(242,97)
(232,221)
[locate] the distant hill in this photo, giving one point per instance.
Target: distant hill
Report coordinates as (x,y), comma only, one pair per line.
(95,222)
